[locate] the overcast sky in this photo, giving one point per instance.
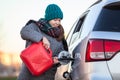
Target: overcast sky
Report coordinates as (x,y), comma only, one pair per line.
(15,13)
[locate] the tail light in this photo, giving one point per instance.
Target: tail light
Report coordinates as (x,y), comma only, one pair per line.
(101,50)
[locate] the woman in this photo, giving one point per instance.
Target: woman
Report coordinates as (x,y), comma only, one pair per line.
(51,33)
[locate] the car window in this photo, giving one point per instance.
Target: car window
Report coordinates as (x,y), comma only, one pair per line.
(68,38)
(77,30)
(109,19)
(75,35)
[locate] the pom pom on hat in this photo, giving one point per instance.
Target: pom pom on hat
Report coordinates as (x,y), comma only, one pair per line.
(53,11)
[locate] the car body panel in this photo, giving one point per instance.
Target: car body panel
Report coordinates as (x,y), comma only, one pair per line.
(78,41)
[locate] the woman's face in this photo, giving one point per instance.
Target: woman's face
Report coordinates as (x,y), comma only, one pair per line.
(55,22)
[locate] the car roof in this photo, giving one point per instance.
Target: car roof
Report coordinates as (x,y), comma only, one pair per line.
(103,2)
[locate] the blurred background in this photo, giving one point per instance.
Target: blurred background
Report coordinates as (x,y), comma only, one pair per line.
(14,15)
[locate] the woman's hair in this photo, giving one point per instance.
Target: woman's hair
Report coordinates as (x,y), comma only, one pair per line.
(61,36)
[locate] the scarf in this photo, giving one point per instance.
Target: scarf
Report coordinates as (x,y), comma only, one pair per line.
(48,29)
(56,32)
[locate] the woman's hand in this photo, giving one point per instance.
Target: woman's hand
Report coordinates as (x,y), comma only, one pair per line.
(55,60)
(46,43)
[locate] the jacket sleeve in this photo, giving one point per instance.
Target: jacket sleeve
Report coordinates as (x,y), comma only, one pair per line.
(61,48)
(31,32)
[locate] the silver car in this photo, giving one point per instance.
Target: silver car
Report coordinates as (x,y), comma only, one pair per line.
(94,42)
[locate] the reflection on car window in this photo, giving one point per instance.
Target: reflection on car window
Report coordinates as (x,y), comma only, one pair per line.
(75,37)
(77,29)
(69,36)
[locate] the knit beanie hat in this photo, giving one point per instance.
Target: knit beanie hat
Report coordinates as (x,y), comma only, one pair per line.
(53,11)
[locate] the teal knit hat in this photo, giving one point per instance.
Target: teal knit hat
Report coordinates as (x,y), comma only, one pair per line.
(53,11)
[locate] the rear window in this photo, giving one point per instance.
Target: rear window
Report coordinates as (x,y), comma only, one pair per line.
(109,18)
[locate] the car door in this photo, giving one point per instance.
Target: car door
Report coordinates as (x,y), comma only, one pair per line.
(73,40)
